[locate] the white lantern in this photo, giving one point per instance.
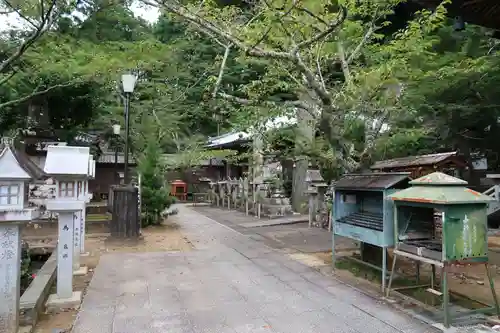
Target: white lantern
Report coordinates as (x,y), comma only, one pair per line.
(116,129)
(128,82)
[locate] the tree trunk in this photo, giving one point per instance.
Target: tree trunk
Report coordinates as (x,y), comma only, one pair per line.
(306,126)
(299,186)
(258,160)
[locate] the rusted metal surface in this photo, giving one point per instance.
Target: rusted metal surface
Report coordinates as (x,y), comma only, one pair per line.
(439,188)
(371,181)
(440,195)
(439,178)
(413,161)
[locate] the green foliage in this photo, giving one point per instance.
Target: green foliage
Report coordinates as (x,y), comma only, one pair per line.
(381,87)
(26,272)
(378,93)
(155,197)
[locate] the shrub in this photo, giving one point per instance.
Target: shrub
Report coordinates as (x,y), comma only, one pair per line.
(155,197)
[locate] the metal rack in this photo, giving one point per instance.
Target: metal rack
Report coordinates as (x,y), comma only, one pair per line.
(362,212)
(438,221)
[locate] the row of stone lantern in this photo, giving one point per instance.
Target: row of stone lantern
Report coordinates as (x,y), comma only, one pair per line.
(70,168)
(319,212)
(242,194)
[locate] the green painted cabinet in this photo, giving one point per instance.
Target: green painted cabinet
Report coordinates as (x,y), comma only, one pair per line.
(465,232)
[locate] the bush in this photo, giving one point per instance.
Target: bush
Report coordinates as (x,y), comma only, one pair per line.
(26,275)
(155,198)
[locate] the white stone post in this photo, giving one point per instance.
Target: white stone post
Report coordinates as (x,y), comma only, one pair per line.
(65,256)
(82,228)
(10,280)
(76,240)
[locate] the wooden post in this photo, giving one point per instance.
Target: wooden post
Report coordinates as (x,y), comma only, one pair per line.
(126,221)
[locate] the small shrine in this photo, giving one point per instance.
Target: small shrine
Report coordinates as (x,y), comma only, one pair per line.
(16,170)
(179,189)
(70,167)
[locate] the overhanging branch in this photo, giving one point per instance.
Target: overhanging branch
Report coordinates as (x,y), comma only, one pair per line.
(46,19)
(36,93)
(215,31)
(249,102)
(322,35)
(221,70)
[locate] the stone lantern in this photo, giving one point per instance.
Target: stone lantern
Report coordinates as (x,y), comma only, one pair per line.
(70,167)
(16,170)
(316,190)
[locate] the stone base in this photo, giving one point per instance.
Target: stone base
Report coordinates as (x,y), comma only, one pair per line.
(81,271)
(275,211)
(25,329)
(55,304)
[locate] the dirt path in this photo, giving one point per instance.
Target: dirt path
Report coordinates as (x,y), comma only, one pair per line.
(167,237)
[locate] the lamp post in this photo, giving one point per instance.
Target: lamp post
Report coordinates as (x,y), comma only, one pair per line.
(128,85)
(116,133)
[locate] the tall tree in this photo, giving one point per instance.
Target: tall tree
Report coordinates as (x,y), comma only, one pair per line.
(30,20)
(314,51)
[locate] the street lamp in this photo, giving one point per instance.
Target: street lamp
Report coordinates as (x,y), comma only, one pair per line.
(116,133)
(128,85)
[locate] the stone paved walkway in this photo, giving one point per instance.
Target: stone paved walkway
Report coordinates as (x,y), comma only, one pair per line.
(230,283)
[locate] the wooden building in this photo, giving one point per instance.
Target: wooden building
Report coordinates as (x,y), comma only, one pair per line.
(214,168)
(109,170)
(450,163)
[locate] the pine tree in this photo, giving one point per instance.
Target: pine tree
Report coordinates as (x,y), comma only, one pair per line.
(155,197)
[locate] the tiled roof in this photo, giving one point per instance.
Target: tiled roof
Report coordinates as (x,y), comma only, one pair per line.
(33,170)
(378,181)
(412,161)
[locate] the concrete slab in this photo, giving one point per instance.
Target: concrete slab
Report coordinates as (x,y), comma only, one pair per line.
(55,304)
(32,301)
(82,271)
(237,218)
(304,239)
(229,283)
(284,233)
(25,329)
(276,221)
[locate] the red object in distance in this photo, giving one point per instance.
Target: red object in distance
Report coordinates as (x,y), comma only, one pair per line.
(179,189)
